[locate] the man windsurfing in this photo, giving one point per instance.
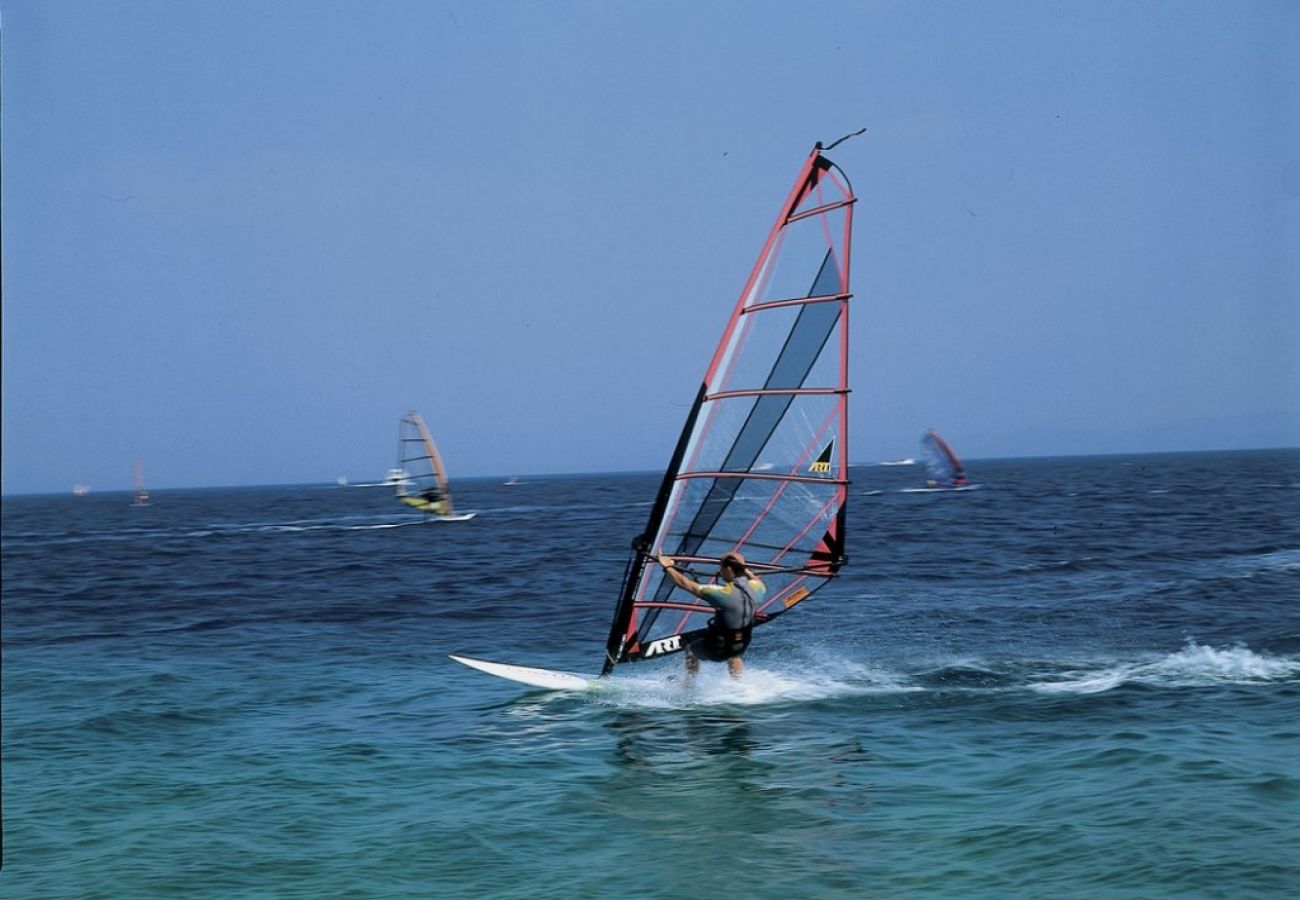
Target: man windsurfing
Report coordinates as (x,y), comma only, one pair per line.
(736,600)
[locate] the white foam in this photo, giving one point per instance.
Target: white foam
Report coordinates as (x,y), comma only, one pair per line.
(1193,666)
(1083,684)
(1197,662)
(1287,560)
(761,685)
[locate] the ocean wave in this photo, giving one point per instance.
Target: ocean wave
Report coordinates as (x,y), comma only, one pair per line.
(1286,559)
(1193,666)
(1081,564)
(216,530)
(347,523)
(963,674)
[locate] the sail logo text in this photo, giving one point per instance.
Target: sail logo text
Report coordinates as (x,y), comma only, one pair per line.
(663,645)
(822,465)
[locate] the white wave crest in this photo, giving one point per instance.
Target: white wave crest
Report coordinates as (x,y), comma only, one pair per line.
(1287,560)
(1195,665)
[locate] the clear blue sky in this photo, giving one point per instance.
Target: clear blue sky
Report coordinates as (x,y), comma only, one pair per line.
(242,238)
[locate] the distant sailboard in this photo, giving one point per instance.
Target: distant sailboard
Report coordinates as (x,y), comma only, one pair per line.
(761,466)
(425,486)
(945,470)
(141,497)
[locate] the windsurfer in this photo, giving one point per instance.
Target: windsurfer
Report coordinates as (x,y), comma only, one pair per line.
(736,599)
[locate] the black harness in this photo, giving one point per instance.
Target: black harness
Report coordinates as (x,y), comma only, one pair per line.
(722,643)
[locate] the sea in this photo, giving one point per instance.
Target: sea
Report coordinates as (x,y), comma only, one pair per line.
(1080,680)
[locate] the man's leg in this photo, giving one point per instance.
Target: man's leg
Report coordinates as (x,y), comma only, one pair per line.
(736,666)
(692,664)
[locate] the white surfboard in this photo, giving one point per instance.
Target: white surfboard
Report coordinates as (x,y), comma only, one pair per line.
(542,678)
(456,517)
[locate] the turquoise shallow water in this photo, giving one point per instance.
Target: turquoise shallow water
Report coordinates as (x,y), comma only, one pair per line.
(1082,680)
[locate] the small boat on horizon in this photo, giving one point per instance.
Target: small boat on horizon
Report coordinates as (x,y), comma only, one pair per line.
(395,477)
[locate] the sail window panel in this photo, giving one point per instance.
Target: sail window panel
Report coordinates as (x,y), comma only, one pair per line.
(756,344)
(811,423)
(656,623)
(668,622)
(827,369)
(805,261)
(776,522)
(773,434)
(415,460)
(722,422)
(807,341)
(656,584)
(763,516)
(783,348)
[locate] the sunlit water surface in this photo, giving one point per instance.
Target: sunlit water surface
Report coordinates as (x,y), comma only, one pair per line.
(1081,680)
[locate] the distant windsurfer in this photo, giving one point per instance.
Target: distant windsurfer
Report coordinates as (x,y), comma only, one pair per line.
(736,600)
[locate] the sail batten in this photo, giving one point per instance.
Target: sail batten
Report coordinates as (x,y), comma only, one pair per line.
(762,476)
(830,207)
(794,301)
(759,392)
(761,464)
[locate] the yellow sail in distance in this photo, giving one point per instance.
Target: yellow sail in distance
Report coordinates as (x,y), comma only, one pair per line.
(423,484)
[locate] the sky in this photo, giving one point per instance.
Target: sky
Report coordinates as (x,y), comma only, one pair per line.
(241,239)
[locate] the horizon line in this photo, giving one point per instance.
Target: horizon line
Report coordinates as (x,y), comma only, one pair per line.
(571,474)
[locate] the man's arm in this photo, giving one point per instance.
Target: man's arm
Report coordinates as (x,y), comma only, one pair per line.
(679,579)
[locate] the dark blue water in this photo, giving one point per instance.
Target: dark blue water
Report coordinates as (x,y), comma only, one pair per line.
(1081,680)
